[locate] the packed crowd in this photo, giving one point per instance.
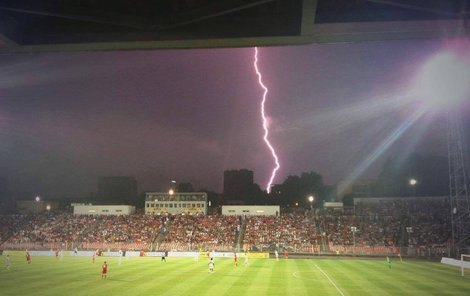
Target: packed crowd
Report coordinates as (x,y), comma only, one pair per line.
(411,222)
(50,227)
(286,229)
(67,228)
(8,223)
(203,230)
(133,228)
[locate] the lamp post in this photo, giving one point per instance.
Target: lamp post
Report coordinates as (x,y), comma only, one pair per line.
(37,199)
(409,230)
(354,230)
(413,183)
(311,198)
(172,186)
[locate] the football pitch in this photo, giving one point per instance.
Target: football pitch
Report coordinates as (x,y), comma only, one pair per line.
(186,276)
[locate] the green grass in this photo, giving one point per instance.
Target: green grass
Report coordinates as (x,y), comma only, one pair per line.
(178,276)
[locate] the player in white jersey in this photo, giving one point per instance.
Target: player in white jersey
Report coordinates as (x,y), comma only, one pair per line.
(277,255)
(8,262)
(119,257)
(211,265)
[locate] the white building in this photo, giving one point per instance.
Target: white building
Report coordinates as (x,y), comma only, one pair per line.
(82,209)
(157,203)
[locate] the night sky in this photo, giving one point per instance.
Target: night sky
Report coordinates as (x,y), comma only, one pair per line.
(188,115)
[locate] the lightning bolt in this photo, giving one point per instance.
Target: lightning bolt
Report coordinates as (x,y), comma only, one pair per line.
(265,123)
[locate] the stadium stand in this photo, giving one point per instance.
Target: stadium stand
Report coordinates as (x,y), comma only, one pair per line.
(381,228)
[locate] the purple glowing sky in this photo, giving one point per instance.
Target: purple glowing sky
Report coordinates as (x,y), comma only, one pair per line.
(188,115)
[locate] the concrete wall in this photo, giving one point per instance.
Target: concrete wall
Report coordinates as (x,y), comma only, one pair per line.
(251,210)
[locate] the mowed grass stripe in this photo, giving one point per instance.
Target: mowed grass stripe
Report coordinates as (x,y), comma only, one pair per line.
(345,276)
(405,280)
(371,282)
(223,281)
(170,274)
(287,272)
(382,276)
(314,279)
(438,277)
(120,277)
(333,284)
(276,286)
(151,271)
(76,276)
(385,278)
(294,285)
(42,275)
(421,283)
(445,270)
(252,279)
(310,279)
(301,283)
(192,278)
(273,279)
(137,277)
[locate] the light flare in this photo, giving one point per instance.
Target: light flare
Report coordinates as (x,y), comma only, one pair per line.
(265,123)
(386,143)
(444,81)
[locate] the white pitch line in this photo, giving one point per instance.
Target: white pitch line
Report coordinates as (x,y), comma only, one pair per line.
(331,281)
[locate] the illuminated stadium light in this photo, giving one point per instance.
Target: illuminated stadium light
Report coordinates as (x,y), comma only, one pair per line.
(443,83)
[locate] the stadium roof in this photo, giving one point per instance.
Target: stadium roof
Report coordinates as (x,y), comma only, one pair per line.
(75,25)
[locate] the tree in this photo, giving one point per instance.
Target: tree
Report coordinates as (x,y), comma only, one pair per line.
(296,189)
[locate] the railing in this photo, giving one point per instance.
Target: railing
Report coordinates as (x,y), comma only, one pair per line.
(340,250)
(79,245)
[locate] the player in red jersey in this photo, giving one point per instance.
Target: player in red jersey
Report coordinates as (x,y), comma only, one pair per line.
(235,258)
(28,257)
(104,270)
